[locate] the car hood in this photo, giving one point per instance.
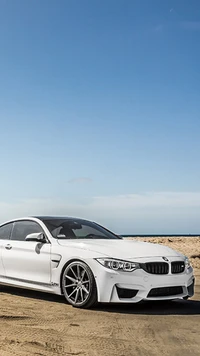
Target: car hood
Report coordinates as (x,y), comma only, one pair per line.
(121,248)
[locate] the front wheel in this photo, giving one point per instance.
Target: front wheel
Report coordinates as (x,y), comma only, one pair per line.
(79,286)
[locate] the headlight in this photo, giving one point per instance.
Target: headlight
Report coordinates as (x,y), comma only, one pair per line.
(118,265)
(187,262)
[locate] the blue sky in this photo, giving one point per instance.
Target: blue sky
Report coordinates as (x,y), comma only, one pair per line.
(100,112)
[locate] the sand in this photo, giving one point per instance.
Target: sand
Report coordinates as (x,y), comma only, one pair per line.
(189,246)
(33,323)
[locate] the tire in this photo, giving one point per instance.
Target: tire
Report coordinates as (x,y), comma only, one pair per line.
(78,285)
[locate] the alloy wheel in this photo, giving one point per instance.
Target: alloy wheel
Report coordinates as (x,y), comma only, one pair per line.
(78,284)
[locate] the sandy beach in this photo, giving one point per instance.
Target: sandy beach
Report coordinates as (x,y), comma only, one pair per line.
(189,246)
(33,323)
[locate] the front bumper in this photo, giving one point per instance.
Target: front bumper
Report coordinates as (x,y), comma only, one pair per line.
(140,285)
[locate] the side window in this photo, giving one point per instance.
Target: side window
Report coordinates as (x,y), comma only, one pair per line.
(23,228)
(5,231)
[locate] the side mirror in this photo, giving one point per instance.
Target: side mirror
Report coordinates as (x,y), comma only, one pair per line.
(38,237)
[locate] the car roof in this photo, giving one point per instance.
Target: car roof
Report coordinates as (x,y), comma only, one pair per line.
(45,218)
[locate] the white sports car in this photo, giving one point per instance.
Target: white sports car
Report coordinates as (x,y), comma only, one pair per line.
(87,263)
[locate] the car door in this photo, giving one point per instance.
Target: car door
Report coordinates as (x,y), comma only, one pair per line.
(5,232)
(26,261)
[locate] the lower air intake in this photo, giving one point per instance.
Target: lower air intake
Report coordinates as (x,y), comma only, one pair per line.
(126,293)
(165,292)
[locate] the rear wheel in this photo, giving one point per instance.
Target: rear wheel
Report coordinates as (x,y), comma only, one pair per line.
(79,286)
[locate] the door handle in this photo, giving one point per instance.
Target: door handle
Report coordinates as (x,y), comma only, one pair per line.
(8,247)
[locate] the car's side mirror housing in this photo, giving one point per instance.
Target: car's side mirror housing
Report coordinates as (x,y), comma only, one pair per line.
(38,237)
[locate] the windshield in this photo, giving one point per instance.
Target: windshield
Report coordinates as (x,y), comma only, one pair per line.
(77,229)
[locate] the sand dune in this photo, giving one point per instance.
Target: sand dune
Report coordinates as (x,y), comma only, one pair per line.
(189,246)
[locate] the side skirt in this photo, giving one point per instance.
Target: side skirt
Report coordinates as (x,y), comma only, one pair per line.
(26,284)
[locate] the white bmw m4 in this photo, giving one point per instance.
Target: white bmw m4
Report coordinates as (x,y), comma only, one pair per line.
(87,263)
